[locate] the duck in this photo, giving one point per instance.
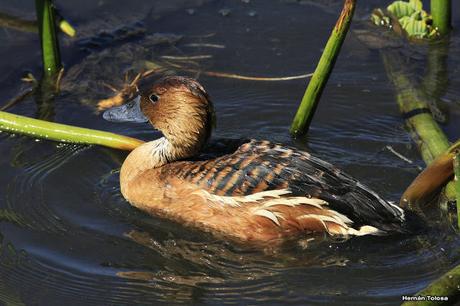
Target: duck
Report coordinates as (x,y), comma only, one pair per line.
(258,192)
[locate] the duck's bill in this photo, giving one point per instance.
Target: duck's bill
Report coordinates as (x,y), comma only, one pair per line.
(128,112)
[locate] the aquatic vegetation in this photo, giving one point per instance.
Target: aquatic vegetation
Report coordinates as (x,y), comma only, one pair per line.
(48,38)
(441,11)
(409,19)
(406,18)
(429,137)
(13,22)
(315,87)
(442,291)
(17,99)
(64,133)
(128,92)
(67,28)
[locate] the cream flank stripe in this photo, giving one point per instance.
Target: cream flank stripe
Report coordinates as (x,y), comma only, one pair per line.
(273,197)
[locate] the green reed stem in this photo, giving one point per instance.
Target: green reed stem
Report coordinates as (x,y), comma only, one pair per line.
(441,12)
(446,286)
(36,128)
(48,37)
(315,87)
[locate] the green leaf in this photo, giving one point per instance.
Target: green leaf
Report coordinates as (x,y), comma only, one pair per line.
(414,27)
(416,16)
(401,8)
(417,4)
(406,15)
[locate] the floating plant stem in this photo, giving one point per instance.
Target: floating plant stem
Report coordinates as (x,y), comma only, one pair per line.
(326,63)
(48,37)
(64,133)
(16,23)
(430,139)
(445,286)
(17,99)
(13,22)
(441,12)
(249,78)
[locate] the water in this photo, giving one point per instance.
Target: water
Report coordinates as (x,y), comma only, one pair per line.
(68,237)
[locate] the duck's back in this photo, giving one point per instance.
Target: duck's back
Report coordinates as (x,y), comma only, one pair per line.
(278,172)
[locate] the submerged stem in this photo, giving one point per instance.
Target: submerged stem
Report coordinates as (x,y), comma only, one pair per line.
(431,140)
(16,23)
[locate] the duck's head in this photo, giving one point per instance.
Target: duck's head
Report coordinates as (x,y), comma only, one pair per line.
(177,106)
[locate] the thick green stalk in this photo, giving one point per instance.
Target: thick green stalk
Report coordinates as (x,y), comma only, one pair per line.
(441,12)
(64,133)
(322,72)
(430,139)
(445,286)
(48,37)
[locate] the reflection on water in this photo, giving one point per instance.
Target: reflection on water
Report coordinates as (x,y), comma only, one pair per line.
(68,236)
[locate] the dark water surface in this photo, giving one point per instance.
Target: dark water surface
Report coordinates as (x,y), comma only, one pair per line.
(68,237)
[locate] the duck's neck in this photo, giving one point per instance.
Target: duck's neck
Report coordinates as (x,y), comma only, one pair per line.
(153,154)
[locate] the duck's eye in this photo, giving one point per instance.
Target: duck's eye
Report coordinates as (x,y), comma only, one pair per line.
(153,98)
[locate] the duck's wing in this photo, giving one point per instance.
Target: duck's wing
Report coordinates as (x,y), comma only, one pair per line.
(261,166)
